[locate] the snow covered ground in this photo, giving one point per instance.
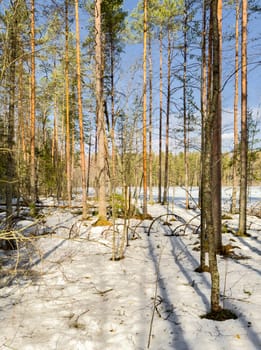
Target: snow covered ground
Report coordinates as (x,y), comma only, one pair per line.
(66,293)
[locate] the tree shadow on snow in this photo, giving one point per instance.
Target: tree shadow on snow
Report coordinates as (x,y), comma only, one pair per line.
(245,242)
(252,335)
(16,266)
(178,340)
(177,243)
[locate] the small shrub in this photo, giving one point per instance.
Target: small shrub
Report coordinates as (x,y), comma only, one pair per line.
(226,217)
(224,229)
(119,209)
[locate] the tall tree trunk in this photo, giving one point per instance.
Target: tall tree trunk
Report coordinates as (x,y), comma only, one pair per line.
(33,193)
(150,121)
(21,128)
(22,136)
(166,168)
(203,234)
(235,152)
(81,126)
(185,117)
(209,60)
(11,114)
(216,176)
(54,140)
(67,109)
(112,132)
(101,154)
(244,136)
(55,127)
(213,113)
(160,116)
(145,208)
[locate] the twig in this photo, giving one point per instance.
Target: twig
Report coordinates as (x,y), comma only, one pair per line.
(102,292)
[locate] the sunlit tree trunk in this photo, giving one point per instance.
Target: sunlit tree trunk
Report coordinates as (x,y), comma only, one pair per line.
(112,132)
(203,235)
(150,121)
(54,140)
(160,116)
(216,163)
(67,109)
(235,152)
(145,209)
(22,135)
(81,126)
(73,137)
(10,169)
(33,193)
(213,99)
(244,138)
(89,162)
(55,118)
(166,167)
(185,117)
(101,153)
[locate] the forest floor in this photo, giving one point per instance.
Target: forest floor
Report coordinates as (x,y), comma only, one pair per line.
(61,290)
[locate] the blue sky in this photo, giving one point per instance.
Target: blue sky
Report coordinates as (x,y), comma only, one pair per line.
(134,52)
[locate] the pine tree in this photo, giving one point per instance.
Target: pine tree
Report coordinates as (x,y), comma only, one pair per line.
(33,184)
(101,139)
(144,119)
(244,133)
(80,113)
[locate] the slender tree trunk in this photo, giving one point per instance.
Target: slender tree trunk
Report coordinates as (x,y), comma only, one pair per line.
(145,208)
(67,109)
(185,117)
(216,176)
(32,113)
(55,131)
(81,126)
(22,137)
(209,60)
(160,117)
(101,154)
(11,115)
(235,152)
(166,174)
(54,140)
(213,113)
(203,234)
(113,148)
(244,136)
(150,122)
(89,163)
(73,142)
